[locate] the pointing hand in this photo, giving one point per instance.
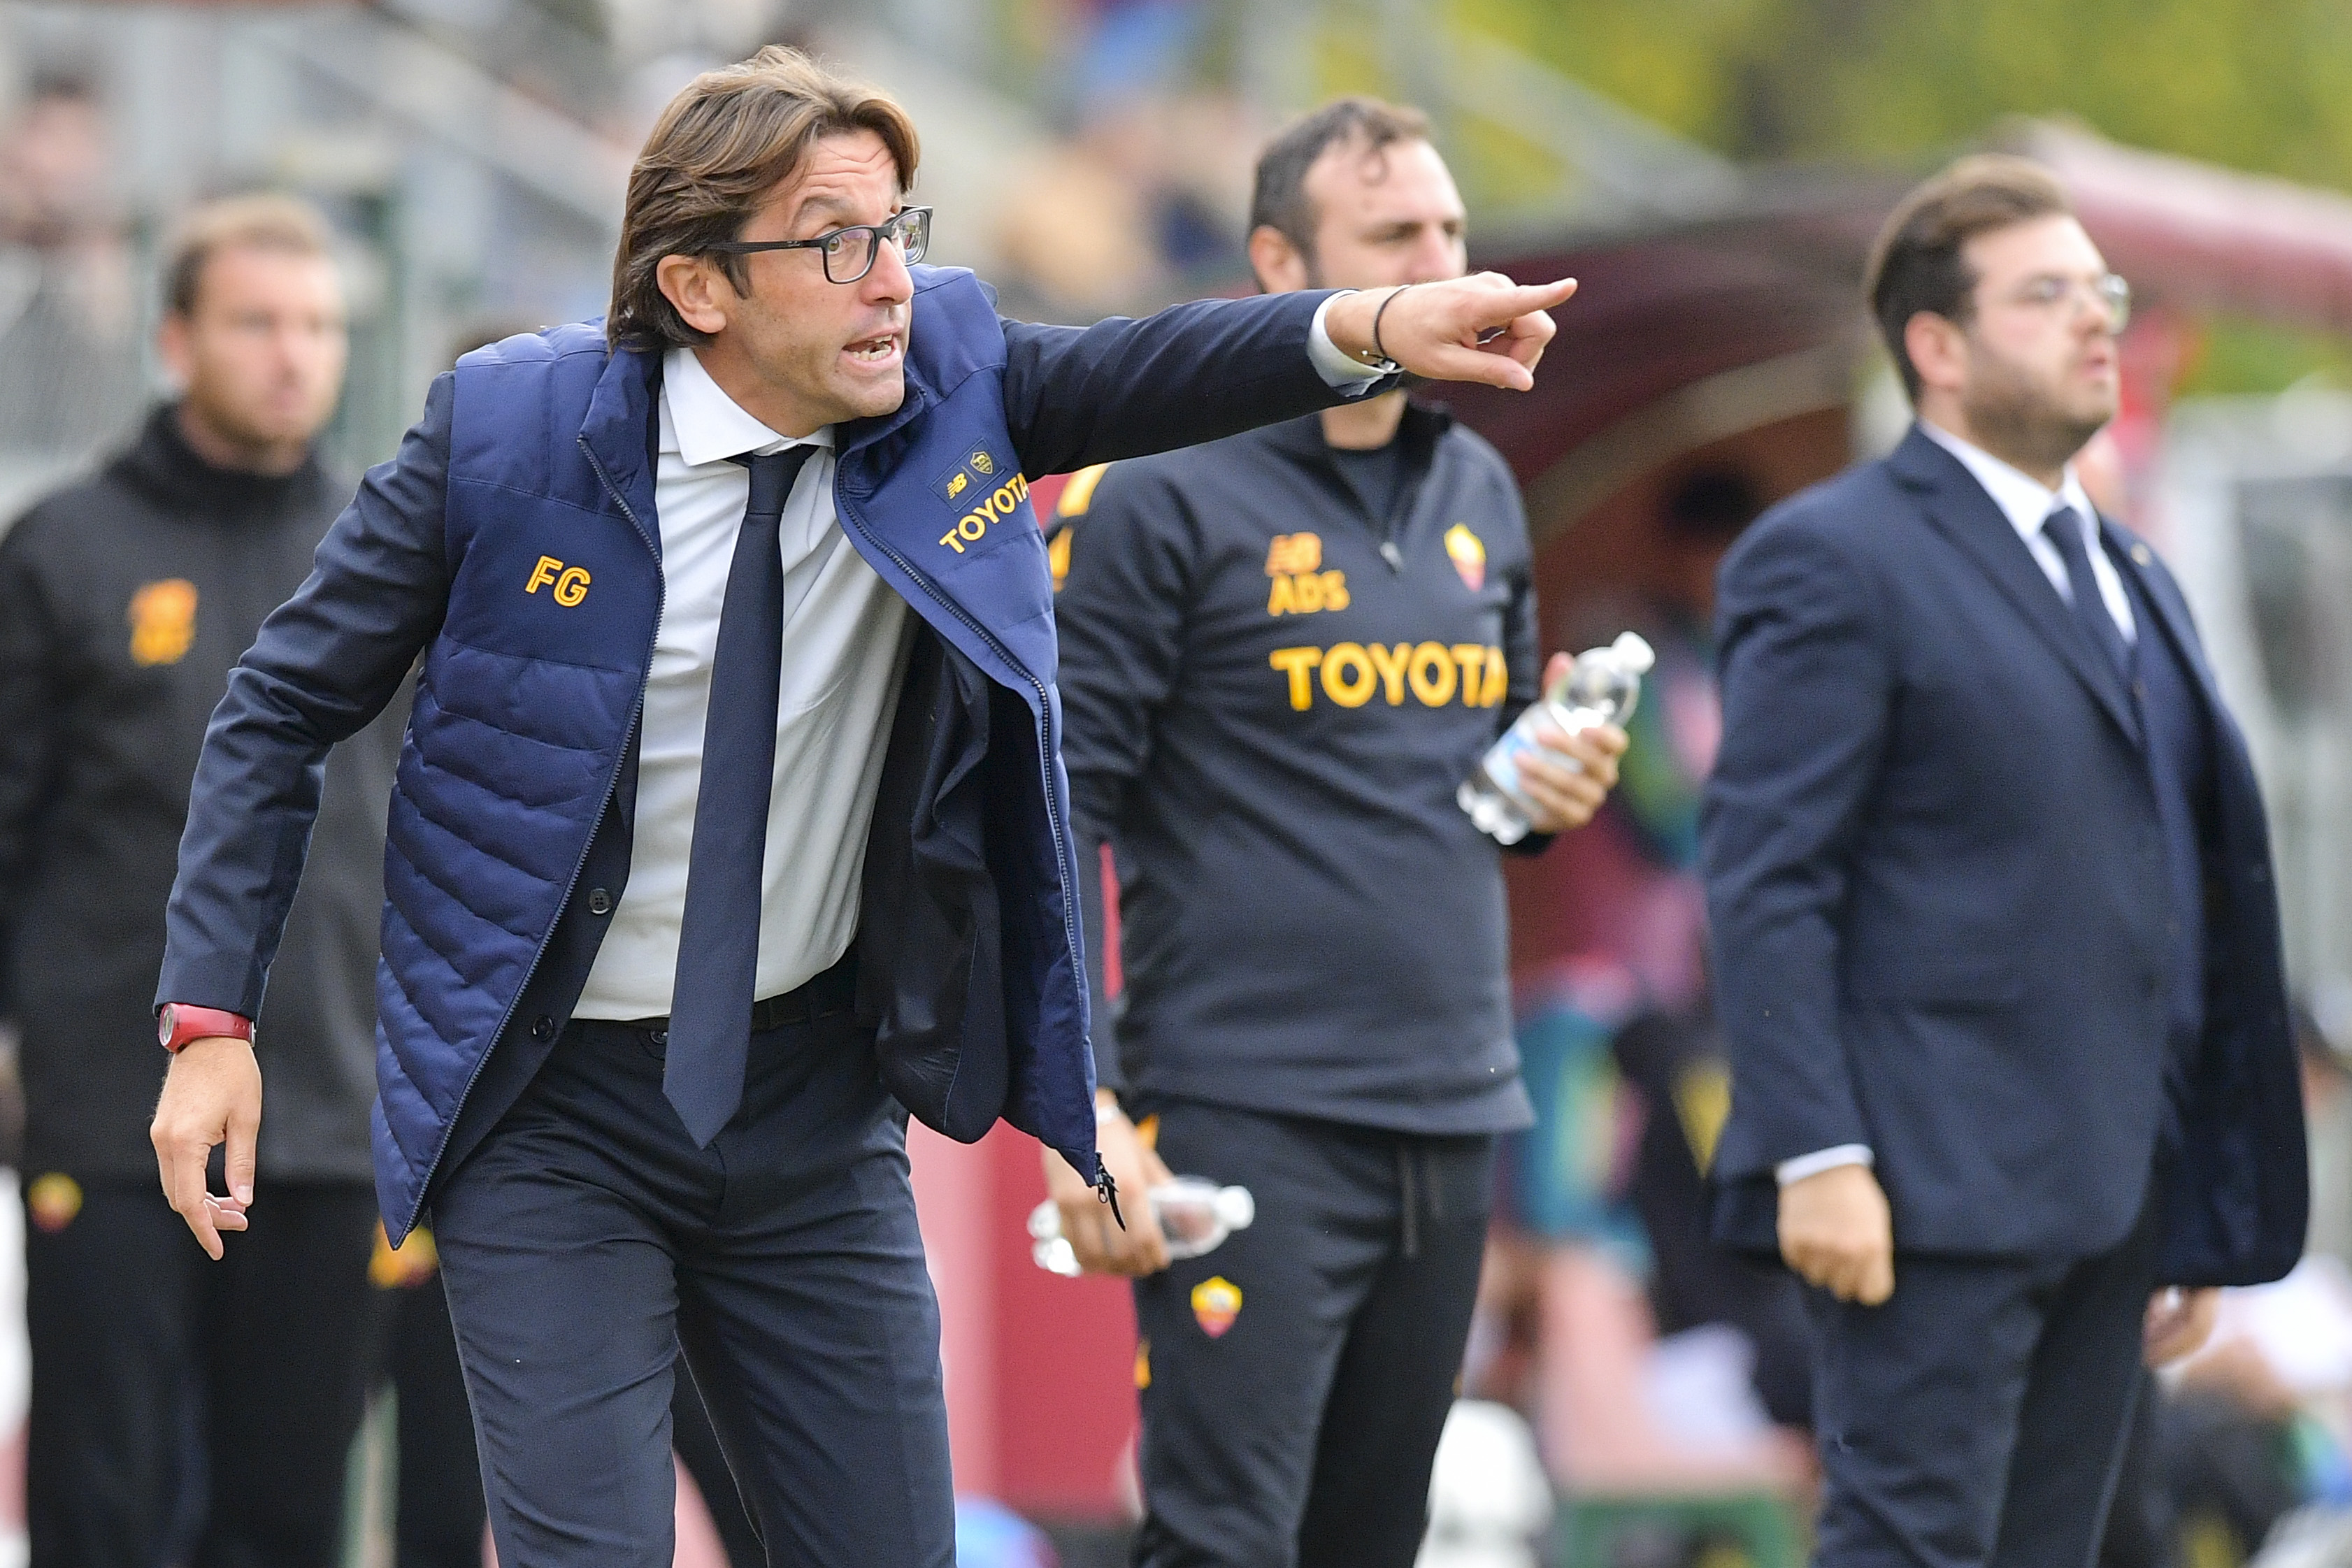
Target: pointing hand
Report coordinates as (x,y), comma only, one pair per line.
(1483,328)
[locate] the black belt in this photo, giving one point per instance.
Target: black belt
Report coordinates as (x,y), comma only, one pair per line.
(834,992)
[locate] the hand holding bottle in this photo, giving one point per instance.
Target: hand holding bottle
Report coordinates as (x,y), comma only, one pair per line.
(1095,1240)
(1571,772)
(1194,1214)
(1557,763)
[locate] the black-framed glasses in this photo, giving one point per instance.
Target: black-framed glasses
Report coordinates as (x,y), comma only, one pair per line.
(848,253)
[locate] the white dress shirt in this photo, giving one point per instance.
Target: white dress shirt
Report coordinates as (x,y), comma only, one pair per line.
(844,651)
(2026,502)
(846,639)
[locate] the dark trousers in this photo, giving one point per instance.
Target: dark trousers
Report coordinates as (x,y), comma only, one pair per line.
(587,1241)
(441,1511)
(1978,1417)
(705,1458)
(1300,1375)
(177,1400)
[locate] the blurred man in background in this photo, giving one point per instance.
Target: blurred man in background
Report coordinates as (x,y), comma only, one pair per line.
(1998,951)
(124,602)
(69,306)
(1282,652)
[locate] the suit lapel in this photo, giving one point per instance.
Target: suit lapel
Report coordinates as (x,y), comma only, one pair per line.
(2157,589)
(2132,555)
(1959,509)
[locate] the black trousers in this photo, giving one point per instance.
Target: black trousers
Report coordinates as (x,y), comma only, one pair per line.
(587,1241)
(181,1405)
(1300,1375)
(1980,1416)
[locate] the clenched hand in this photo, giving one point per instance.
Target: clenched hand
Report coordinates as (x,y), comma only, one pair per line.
(1837,1232)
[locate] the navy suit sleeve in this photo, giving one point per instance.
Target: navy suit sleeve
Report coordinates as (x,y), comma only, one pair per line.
(1121,618)
(1806,687)
(1125,387)
(325,662)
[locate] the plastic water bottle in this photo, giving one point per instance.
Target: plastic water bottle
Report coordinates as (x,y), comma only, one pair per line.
(1196,1213)
(1600,688)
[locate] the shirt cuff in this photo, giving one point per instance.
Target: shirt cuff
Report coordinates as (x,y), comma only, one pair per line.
(1803,1166)
(1341,371)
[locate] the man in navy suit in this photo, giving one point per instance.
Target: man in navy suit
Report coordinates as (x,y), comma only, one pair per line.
(1995,936)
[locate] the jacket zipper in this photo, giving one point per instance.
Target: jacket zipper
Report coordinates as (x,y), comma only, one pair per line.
(572,884)
(1105,1187)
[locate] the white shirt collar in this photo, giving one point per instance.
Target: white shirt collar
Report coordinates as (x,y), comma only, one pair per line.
(702,424)
(2024,500)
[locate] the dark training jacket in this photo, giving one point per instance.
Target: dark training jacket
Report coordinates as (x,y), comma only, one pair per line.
(125,601)
(1268,720)
(514,780)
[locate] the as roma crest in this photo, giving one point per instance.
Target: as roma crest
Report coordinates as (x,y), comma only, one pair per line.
(163,617)
(1469,556)
(1215,1304)
(53,1200)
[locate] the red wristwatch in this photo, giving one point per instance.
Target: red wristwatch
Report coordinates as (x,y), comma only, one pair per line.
(176,1023)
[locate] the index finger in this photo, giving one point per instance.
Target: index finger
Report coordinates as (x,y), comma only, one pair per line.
(1524,299)
(1519,307)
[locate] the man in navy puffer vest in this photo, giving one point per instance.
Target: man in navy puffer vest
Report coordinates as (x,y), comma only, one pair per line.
(731,806)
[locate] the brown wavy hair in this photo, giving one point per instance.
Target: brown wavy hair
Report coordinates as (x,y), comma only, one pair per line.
(720,151)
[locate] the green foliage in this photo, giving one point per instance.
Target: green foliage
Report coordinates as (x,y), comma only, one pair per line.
(2254,84)
(2258,85)
(2240,356)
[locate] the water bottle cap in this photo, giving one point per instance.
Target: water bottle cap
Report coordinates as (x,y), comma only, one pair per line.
(1236,1208)
(1633,653)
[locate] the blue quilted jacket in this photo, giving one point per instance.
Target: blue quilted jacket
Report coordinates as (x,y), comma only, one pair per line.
(534,460)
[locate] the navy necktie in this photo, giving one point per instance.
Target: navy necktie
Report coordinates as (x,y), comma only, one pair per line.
(719,938)
(2064,528)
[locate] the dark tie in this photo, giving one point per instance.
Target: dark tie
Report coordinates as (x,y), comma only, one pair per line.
(719,938)
(2064,528)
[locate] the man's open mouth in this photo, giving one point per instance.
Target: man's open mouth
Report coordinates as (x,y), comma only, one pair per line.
(873,351)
